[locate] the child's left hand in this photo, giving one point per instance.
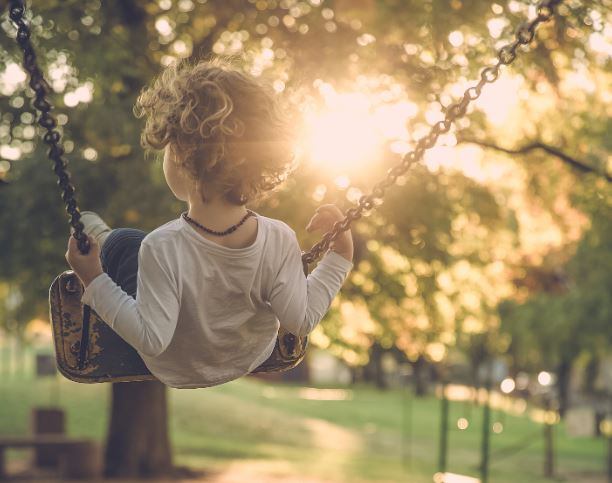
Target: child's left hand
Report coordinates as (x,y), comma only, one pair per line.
(324,220)
(87,267)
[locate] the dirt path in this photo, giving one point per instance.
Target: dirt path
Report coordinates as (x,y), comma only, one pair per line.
(239,472)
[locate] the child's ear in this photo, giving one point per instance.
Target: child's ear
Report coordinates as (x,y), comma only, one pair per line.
(170,153)
(173,152)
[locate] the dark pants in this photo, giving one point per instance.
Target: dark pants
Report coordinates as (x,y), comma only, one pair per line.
(119,257)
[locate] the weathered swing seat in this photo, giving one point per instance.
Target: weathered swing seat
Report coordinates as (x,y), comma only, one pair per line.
(88,350)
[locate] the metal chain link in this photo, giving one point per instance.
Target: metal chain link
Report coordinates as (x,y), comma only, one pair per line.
(46,120)
(524,35)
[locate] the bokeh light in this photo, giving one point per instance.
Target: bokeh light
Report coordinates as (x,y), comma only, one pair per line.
(545,378)
(507,386)
(12,77)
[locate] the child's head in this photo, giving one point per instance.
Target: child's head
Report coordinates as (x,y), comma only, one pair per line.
(223,128)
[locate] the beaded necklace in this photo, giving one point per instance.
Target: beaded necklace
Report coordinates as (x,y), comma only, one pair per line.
(231,229)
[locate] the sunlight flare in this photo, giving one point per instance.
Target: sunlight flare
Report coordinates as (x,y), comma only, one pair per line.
(351,129)
(343,134)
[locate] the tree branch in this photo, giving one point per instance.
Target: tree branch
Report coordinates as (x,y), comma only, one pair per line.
(573,162)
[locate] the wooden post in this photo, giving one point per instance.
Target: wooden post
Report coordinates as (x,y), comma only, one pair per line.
(2,465)
(48,421)
(81,461)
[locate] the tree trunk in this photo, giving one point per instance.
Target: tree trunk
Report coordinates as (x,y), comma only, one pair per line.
(376,354)
(564,371)
(421,382)
(137,445)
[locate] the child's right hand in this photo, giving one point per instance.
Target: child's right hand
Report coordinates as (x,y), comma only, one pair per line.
(88,266)
(324,219)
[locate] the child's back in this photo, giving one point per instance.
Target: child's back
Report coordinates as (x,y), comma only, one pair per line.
(214,284)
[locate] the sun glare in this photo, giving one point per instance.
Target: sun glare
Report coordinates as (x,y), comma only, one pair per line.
(349,130)
(343,134)
(500,100)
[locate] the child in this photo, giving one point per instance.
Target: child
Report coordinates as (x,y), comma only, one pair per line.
(214,284)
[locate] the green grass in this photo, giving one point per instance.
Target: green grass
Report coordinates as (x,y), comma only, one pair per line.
(373,436)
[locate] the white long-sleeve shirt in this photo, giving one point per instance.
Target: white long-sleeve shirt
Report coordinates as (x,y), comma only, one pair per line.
(205,314)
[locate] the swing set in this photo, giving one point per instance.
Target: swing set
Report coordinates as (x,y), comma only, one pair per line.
(87,349)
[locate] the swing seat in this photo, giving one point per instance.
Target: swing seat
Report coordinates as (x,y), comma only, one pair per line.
(90,351)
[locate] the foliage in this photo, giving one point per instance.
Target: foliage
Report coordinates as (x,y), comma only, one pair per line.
(447,246)
(571,318)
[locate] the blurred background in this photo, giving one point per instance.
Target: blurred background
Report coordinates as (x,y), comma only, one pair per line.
(472,340)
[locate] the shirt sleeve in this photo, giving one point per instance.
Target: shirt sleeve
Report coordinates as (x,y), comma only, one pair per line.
(148,322)
(300,302)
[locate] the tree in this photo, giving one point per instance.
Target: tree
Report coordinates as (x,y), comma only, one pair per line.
(450,242)
(568,317)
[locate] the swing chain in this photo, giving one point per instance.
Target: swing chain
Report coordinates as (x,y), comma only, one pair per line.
(46,120)
(524,35)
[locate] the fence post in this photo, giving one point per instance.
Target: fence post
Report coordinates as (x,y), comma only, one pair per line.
(549,450)
(407,423)
(486,429)
(443,449)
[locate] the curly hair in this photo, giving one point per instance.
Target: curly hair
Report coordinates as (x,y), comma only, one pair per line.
(226,128)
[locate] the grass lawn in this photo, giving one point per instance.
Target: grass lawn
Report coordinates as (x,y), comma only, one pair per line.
(280,434)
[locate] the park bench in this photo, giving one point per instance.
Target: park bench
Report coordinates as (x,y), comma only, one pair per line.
(79,457)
